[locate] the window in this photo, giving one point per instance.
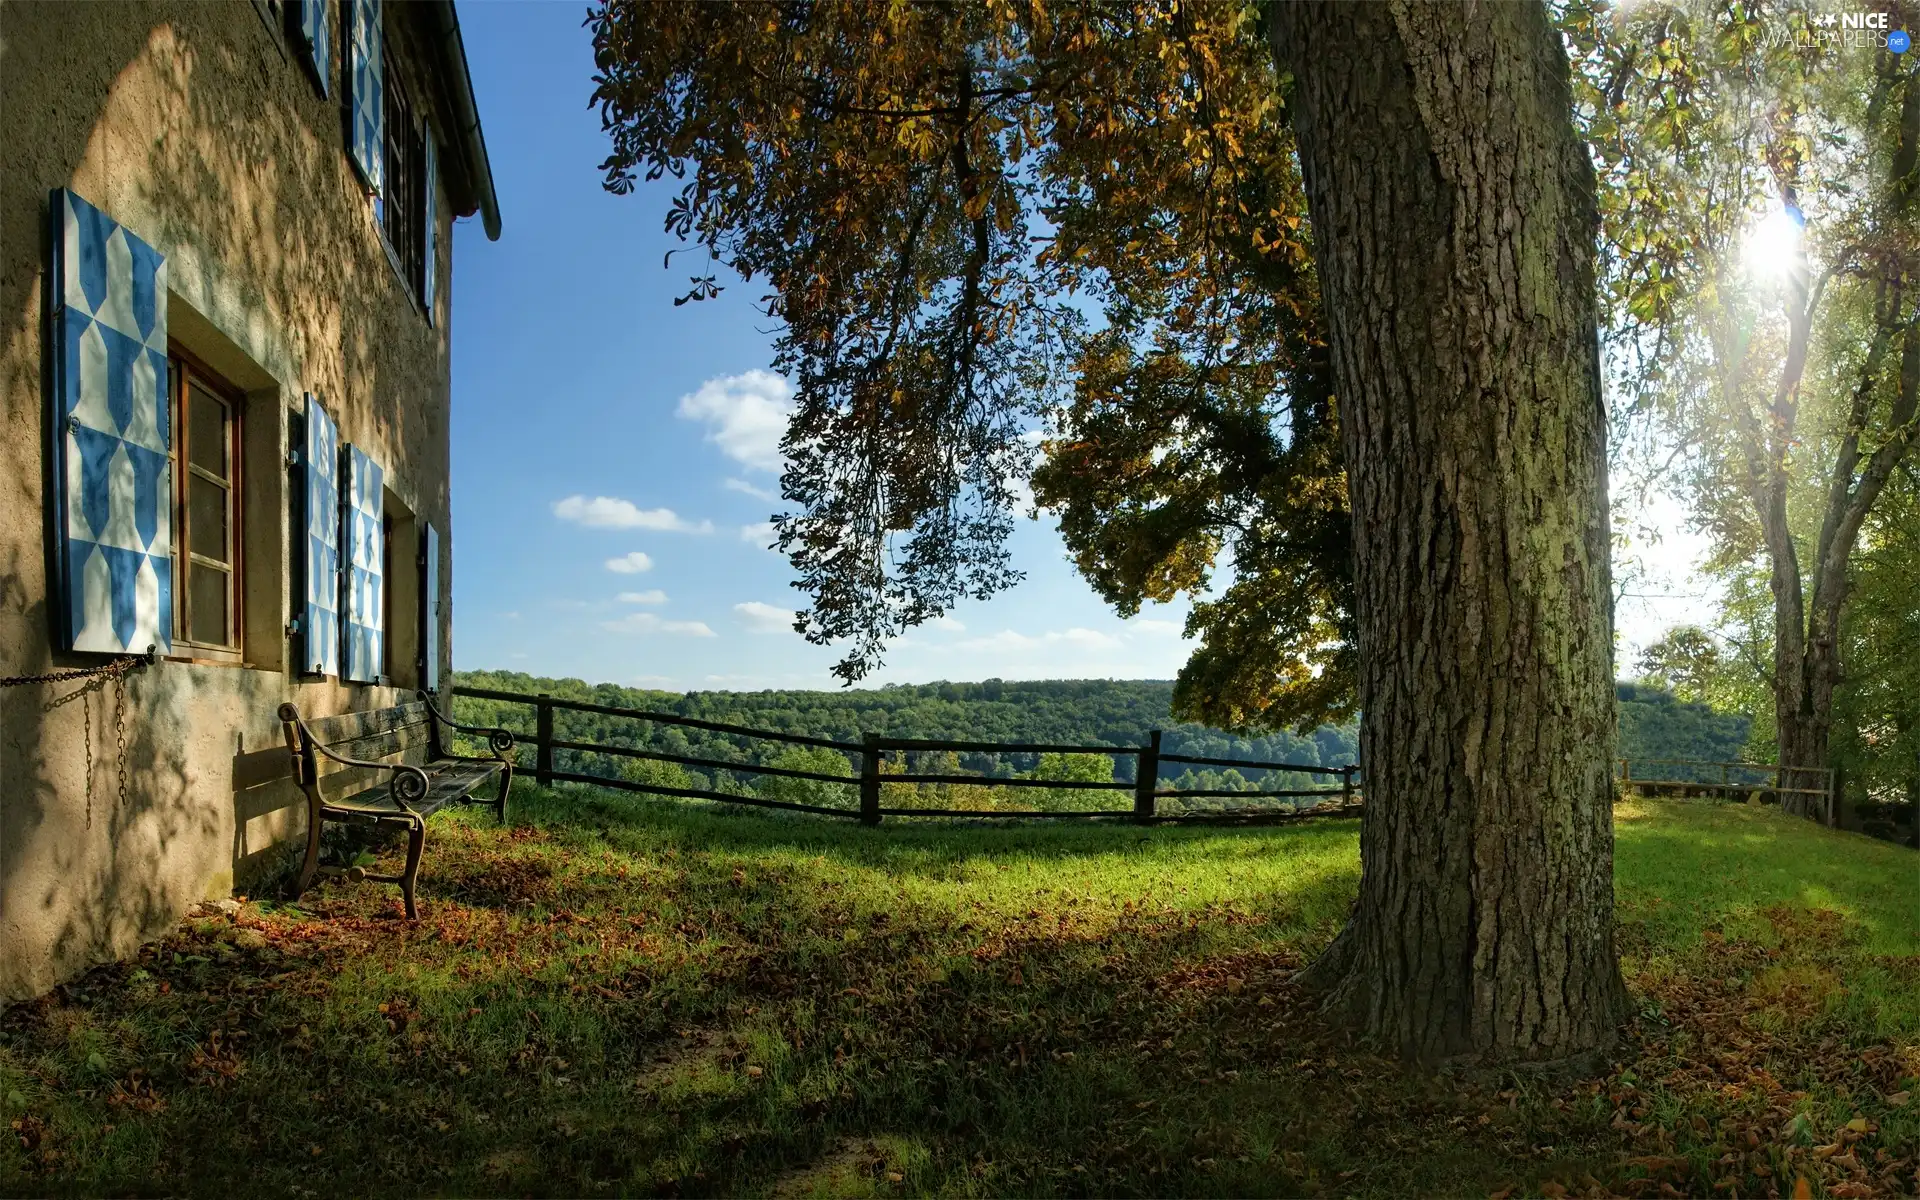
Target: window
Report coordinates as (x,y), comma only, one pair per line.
(305,22)
(386,596)
(402,204)
(206,418)
(271,16)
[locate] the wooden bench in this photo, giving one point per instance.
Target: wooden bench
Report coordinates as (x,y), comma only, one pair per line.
(387,766)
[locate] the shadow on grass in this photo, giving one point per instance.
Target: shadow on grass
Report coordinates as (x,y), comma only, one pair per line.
(924,842)
(628,999)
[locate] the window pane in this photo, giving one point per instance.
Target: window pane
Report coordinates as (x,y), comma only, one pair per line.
(207,612)
(206,431)
(207,518)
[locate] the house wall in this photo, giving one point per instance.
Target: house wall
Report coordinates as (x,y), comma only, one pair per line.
(196,126)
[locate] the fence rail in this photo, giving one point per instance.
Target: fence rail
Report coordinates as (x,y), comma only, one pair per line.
(1774,776)
(872,750)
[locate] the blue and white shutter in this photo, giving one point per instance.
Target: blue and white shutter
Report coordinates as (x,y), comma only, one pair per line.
(366,86)
(113,480)
(366,599)
(316,41)
(430,608)
(320,565)
(428,225)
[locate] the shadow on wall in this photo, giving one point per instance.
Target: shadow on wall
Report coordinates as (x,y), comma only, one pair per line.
(113,878)
(106,828)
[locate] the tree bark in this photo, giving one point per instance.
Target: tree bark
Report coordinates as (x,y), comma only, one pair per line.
(1454,223)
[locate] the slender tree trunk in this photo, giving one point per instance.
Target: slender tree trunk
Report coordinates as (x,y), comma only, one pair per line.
(1803,713)
(1807,666)
(1454,223)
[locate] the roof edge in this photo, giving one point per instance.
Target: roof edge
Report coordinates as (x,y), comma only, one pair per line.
(473,143)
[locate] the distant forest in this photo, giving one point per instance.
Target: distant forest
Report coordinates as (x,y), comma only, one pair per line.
(1091,712)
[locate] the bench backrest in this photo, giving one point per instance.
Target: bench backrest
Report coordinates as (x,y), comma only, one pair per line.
(403,733)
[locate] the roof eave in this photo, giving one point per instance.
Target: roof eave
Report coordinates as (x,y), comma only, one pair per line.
(466,113)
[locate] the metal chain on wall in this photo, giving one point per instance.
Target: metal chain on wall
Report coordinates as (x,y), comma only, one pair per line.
(114,671)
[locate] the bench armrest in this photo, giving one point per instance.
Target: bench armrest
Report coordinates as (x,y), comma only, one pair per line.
(500,741)
(408,785)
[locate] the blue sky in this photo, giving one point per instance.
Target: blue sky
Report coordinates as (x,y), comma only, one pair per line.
(615,457)
(597,427)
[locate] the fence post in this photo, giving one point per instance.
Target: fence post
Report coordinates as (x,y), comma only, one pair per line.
(870,780)
(1146,777)
(543,740)
(1346,786)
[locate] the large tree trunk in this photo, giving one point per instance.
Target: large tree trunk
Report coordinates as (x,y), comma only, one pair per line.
(1454,222)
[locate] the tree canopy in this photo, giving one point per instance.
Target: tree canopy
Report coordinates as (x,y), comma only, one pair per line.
(1065,240)
(1758,177)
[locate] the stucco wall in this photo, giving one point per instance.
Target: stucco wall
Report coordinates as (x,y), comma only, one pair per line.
(195,126)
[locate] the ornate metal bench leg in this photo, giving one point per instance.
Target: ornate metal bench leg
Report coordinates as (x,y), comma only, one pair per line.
(416,839)
(310,865)
(506,784)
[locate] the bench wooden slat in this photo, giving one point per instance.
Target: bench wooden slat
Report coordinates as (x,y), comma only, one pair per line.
(449,781)
(342,782)
(391,744)
(331,731)
(326,767)
(446,783)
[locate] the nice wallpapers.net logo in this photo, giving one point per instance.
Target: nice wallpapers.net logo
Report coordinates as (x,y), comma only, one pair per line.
(1872,30)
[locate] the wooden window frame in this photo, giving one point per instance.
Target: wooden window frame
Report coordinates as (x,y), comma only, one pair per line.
(184,370)
(386,594)
(272,14)
(401,212)
(318,73)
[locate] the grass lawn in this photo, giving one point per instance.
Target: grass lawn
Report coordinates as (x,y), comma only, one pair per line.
(618,995)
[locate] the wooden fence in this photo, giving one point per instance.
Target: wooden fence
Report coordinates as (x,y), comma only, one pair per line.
(1695,777)
(873,750)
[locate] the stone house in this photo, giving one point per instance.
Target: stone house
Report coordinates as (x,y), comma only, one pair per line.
(226,235)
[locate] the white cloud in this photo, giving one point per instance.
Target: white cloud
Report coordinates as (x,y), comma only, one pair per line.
(1084,637)
(746,415)
(651,596)
(1151,625)
(950,624)
(657,682)
(758,493)
(609,512)
(760,534)
(511,616)
(1008,639)
(630,564)
(649,623)
(764,618)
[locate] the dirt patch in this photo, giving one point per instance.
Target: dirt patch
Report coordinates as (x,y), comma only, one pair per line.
(851,1166)
(685,1054)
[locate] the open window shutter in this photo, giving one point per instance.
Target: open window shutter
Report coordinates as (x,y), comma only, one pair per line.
(366,84)
(316,42)
(320,618)
(430,608)
(366,601)
(428,225)
(113,479)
